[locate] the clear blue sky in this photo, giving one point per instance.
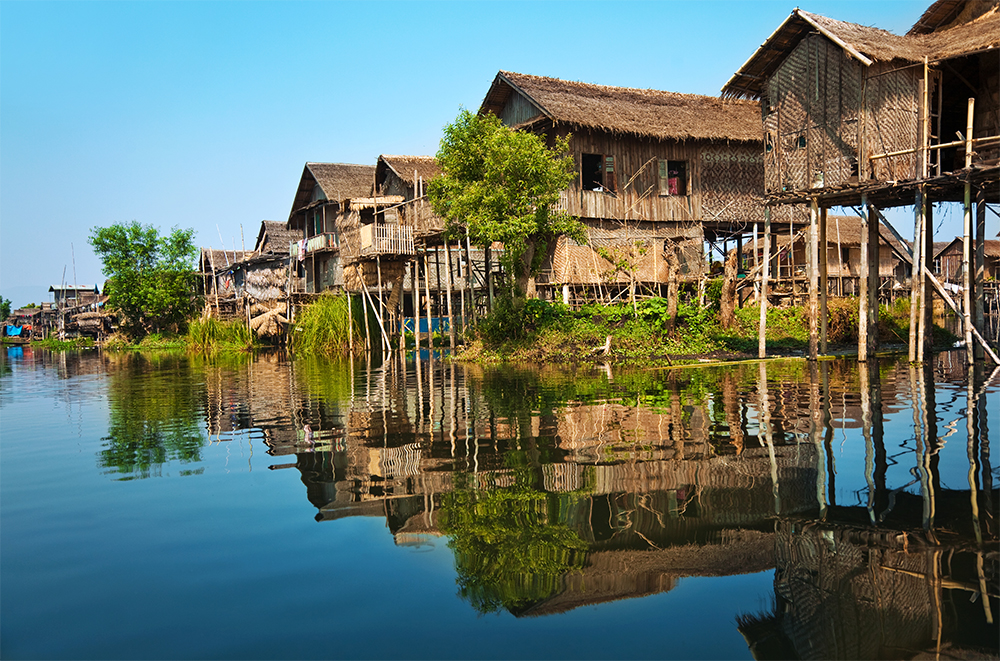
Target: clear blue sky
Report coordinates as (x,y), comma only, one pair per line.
(202,114)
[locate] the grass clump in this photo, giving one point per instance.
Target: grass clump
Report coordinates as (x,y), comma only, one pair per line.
(324,326)
(215,335)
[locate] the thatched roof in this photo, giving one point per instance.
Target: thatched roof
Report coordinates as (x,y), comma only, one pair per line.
(426,168)
(945,14)
(622,110)
(865,44)
(991,247)
(274,237)
(337,181)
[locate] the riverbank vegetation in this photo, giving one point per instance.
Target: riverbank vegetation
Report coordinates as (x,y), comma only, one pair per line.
(539,331)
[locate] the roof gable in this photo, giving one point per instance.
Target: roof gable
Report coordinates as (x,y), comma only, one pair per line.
(865,44)
(404,167)
(274,236)
(621,110)
(337,181)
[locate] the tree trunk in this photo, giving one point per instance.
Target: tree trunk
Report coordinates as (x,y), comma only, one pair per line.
(673,275)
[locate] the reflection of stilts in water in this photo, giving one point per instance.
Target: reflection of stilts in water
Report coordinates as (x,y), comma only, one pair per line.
(815,435)
(764,422)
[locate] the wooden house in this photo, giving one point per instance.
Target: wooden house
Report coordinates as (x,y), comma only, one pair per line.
(657,171)
(275,238)
(215,271)
(858,116)
(843,260)
(71,296)
(948,260)
(320,212)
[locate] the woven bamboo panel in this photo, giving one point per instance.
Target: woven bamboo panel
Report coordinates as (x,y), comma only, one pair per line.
(732,180)
(891,121)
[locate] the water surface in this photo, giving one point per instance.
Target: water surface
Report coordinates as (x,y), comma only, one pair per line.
(170,506)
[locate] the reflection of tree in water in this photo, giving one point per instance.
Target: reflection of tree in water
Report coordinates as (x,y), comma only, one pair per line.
(155,415)
(511,547)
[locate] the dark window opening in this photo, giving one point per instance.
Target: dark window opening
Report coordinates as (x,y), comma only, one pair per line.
(597,172)
(845,255)
(367,216)
(673,177)
(800,142)
(768,142)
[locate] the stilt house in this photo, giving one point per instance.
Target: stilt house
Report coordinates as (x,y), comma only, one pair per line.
(858,116)
(657,170)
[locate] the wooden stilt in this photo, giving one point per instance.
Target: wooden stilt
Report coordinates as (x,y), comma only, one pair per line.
(916,274)
(381,305)
(447,286)
(812,253)
(765,274)
(864,274)
(427,306)
(350,323)
(926,299)
(824,281)
(470,279)
(978,267)
(415,288)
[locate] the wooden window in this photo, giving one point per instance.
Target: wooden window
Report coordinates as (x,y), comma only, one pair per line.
(597,172)
(673,177)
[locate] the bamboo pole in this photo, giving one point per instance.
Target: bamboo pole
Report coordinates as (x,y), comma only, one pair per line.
(415,287)
(979,269)
(864,300)
(762,331)
(448,291)
(350,323)
(812,253)
(967,247)
(823,252)
(470,282)
(427,306)
(381,306)
(364,310)
(926,301)
(915,270)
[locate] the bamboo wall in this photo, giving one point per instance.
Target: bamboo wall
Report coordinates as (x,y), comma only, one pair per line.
(844,112)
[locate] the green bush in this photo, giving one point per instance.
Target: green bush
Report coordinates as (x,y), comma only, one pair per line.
(214,335)
(324,326)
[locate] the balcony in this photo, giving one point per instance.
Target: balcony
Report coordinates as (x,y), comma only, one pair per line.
(379,239)
(326,241)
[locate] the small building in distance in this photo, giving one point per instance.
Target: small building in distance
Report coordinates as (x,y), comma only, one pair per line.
(71,296)
(658,173)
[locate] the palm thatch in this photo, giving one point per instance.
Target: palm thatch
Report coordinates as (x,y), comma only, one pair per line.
(337,182)
(426,168)
(622,110)
(274,237)
(945,14)
(865,44)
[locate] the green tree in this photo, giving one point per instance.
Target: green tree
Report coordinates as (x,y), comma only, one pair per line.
(4,308)
(151,278)
(501,185)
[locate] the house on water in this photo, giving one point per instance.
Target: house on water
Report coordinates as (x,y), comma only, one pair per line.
(658,174)
(858,116)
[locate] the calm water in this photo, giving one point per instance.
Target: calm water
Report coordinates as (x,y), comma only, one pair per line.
(162,506)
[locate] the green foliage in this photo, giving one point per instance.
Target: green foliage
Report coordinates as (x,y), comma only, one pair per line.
(54,344)
(515,318)
(713,292)
(323,326)
(215,335)
(4,308)
(501,185)
(151,277)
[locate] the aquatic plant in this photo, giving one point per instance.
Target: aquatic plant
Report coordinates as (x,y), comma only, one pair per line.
(215,335)
(324,326)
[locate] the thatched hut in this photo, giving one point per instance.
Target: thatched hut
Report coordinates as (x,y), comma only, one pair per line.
(320,213)
(655,168)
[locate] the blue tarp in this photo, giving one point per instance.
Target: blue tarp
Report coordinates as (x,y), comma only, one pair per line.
(13,331)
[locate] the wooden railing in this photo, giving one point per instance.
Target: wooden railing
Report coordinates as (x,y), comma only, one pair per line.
(379,239)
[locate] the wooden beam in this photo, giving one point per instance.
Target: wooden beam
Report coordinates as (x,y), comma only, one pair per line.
(864,274)
(916,271)
(824,281)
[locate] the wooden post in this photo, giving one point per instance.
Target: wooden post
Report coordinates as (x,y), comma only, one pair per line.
(765,273)
(968,266)
(447,286)
(381,306)
(364,309)
(824,281)
(869,278)
(926,299)
(470,280)
(916,274)
(812,254)
(979,267)
(415,287)
(427,306)
(402,319)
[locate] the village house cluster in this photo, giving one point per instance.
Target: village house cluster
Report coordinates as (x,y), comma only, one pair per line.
(824,115)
